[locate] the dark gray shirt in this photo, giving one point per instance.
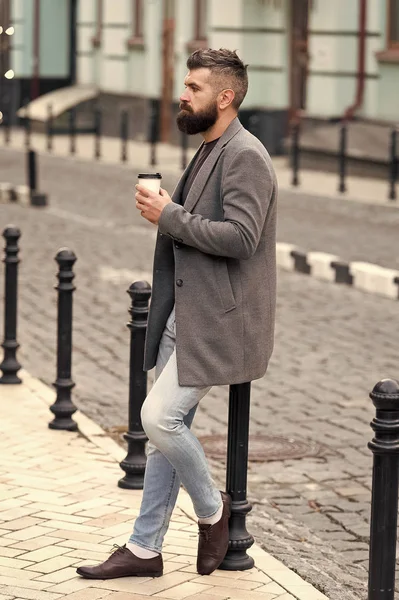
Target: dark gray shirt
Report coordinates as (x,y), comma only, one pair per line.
(199,161)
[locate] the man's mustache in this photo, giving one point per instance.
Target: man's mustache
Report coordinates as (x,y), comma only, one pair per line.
(185,107)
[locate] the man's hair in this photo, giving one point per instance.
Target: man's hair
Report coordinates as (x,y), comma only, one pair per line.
(227,70)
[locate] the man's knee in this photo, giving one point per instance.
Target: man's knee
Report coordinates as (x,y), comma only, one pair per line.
(148,420)
(156,424)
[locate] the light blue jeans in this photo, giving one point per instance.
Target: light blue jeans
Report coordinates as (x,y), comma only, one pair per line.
(174,455)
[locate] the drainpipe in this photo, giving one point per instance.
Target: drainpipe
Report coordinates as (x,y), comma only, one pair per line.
(35,83)
(361,69)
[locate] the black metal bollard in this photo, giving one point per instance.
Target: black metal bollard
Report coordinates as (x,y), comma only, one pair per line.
(49,128)
(10,365)
(393,171)
(36,198)
(237,558)
(97,133)
(28,129)
(295,154)
(72,131)
(135,461)
(32,170)
(6,125)
(63,408)
(184,148)
(342,157)
(153,133)
(384,500)
(124,134)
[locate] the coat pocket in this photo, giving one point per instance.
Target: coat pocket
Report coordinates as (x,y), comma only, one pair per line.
(224,285)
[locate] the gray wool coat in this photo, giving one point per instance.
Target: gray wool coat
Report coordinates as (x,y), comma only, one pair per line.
(215,258)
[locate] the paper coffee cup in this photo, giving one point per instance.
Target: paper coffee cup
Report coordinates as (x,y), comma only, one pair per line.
(152,181)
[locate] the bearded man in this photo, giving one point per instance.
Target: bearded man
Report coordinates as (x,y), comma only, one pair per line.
(211,319)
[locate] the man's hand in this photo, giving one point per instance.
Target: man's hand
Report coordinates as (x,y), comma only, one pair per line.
(151,204)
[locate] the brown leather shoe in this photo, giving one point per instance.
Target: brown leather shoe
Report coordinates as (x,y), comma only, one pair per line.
(214,540)
(123,563)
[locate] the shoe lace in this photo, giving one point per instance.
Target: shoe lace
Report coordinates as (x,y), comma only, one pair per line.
(117,549)
(205,533)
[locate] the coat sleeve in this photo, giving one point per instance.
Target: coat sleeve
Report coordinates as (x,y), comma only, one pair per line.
(247,188)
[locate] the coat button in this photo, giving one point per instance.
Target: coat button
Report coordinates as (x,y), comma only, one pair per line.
(177,246)
(179,282)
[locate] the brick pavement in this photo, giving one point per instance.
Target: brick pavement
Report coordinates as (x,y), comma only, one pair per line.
(332,345)
(60,507)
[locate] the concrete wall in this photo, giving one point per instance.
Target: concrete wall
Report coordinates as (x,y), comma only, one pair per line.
(258,29)
(259,32)
(113,66)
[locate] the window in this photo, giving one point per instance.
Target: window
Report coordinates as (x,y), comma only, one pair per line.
(393,24)
(96,40)
(200,26)
(137,24)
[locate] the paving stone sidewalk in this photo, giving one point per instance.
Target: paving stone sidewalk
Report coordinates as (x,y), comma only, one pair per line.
(60,507)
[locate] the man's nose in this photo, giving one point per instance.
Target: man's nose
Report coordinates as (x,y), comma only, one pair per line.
(185,97)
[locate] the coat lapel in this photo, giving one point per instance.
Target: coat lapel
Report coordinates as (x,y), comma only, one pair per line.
(207,168)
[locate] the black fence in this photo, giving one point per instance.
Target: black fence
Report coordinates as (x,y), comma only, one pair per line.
(92,120)
(343,158)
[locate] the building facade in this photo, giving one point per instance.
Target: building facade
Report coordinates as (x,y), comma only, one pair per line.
(320,58)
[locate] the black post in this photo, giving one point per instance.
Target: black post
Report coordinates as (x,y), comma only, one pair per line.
(72,131)
(36,198)
(49,128)
(237,558)
(124,134)
(393,172)
(153,133)
(6,125)
(28,129)
(184,147)
(384,499)
(342,157)
(63,408)
(295,154)
(10,365)
(97,129)
(32,171)
(135,461)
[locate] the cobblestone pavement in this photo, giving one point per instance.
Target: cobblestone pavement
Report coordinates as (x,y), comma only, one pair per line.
(332,345)
(353,231)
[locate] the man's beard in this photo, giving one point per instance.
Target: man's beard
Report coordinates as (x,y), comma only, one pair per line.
(192,123)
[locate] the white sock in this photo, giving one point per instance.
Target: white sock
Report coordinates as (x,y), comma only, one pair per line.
(213,519)
(141,552)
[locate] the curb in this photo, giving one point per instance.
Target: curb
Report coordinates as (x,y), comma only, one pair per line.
(361,275)
(21,194)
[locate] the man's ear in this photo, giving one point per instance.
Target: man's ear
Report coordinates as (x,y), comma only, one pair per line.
(226,98)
